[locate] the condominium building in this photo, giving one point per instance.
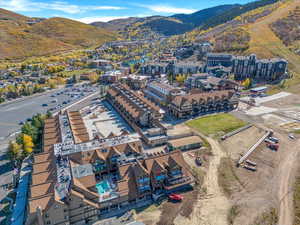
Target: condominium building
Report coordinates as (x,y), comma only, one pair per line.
(161,93)
(206,82)
(218,59)
(79,181)
(175,68)
(258,69)
(191,104)
(133,105)
(155,68)
(140,113)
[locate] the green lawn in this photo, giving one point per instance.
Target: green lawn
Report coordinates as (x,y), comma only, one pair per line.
(214,124)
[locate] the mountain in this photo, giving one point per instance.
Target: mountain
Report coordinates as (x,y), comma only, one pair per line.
(235,12)
(8,15)
(71,32)
(200,17)
(22,36)
(162,25)
(117,24)
(155,26)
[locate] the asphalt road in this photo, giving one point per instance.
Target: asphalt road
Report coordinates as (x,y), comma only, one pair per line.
(13,113)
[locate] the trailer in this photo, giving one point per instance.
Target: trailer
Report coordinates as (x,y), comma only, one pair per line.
(274,139)
(251,163)
(251,168)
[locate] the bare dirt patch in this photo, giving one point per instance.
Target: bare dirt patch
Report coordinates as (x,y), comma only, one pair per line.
(241,142)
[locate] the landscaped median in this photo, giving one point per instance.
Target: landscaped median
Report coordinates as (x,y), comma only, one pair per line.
(218,124)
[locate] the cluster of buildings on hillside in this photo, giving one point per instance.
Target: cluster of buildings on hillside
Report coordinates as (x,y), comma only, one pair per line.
(242,67)
(76,180)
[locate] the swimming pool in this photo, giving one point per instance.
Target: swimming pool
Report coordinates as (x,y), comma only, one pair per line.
(103,187)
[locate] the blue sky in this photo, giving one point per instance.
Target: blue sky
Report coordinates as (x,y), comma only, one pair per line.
(104,10)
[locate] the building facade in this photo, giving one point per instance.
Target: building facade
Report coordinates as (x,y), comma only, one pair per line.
(205,82)
(260,70)
(79,181)
(218,59)
(161,93)
(202,103)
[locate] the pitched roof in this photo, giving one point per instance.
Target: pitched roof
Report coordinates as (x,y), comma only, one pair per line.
(42,167)
(140,170)
(41,189)
(185,141)
(43,177)
(42,157)
(181,99)
(44,203)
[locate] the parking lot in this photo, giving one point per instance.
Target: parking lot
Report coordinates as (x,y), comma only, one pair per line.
(12,115)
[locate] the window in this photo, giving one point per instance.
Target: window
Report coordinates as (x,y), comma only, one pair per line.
(48,222)
(46,215)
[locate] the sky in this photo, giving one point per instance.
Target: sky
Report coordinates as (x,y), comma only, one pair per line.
(88,11)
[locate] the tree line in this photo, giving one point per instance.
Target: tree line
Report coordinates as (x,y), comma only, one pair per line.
(28,141)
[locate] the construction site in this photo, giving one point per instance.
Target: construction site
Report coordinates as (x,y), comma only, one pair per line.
(249,173)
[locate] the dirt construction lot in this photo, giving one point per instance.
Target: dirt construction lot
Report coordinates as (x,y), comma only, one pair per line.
(231,195)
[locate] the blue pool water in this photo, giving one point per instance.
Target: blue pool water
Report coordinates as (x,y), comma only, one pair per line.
(103,187)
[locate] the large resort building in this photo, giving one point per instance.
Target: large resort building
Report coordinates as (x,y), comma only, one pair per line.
(201,103)
(77,181)
(258,69)
(139,112)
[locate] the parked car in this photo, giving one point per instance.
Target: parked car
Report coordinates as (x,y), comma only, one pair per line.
(175,197)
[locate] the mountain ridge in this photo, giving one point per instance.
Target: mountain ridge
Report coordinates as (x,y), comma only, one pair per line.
(22,36)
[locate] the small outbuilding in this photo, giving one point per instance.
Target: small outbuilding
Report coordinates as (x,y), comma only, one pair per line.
(184,144)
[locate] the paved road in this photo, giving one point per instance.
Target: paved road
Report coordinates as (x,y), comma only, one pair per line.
(11,114)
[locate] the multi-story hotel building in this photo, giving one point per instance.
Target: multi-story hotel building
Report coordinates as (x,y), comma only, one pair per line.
(161,93)
(258,69)
(140,113)
(77,181)
(190,104)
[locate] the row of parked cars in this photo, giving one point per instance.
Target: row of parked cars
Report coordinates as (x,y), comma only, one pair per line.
(70,94)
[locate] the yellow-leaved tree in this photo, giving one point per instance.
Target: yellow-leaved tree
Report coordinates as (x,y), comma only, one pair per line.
(247,83)
(180,78)
(27,144)
(14,151)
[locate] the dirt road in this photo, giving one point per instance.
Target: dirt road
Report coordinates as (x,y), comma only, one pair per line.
(215,208)
(285,193)
(212,208)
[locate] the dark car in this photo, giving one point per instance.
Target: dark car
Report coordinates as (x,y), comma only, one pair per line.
(21,123)
(44,105)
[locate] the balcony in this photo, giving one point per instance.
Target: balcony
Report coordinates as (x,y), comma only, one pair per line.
(174,181)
